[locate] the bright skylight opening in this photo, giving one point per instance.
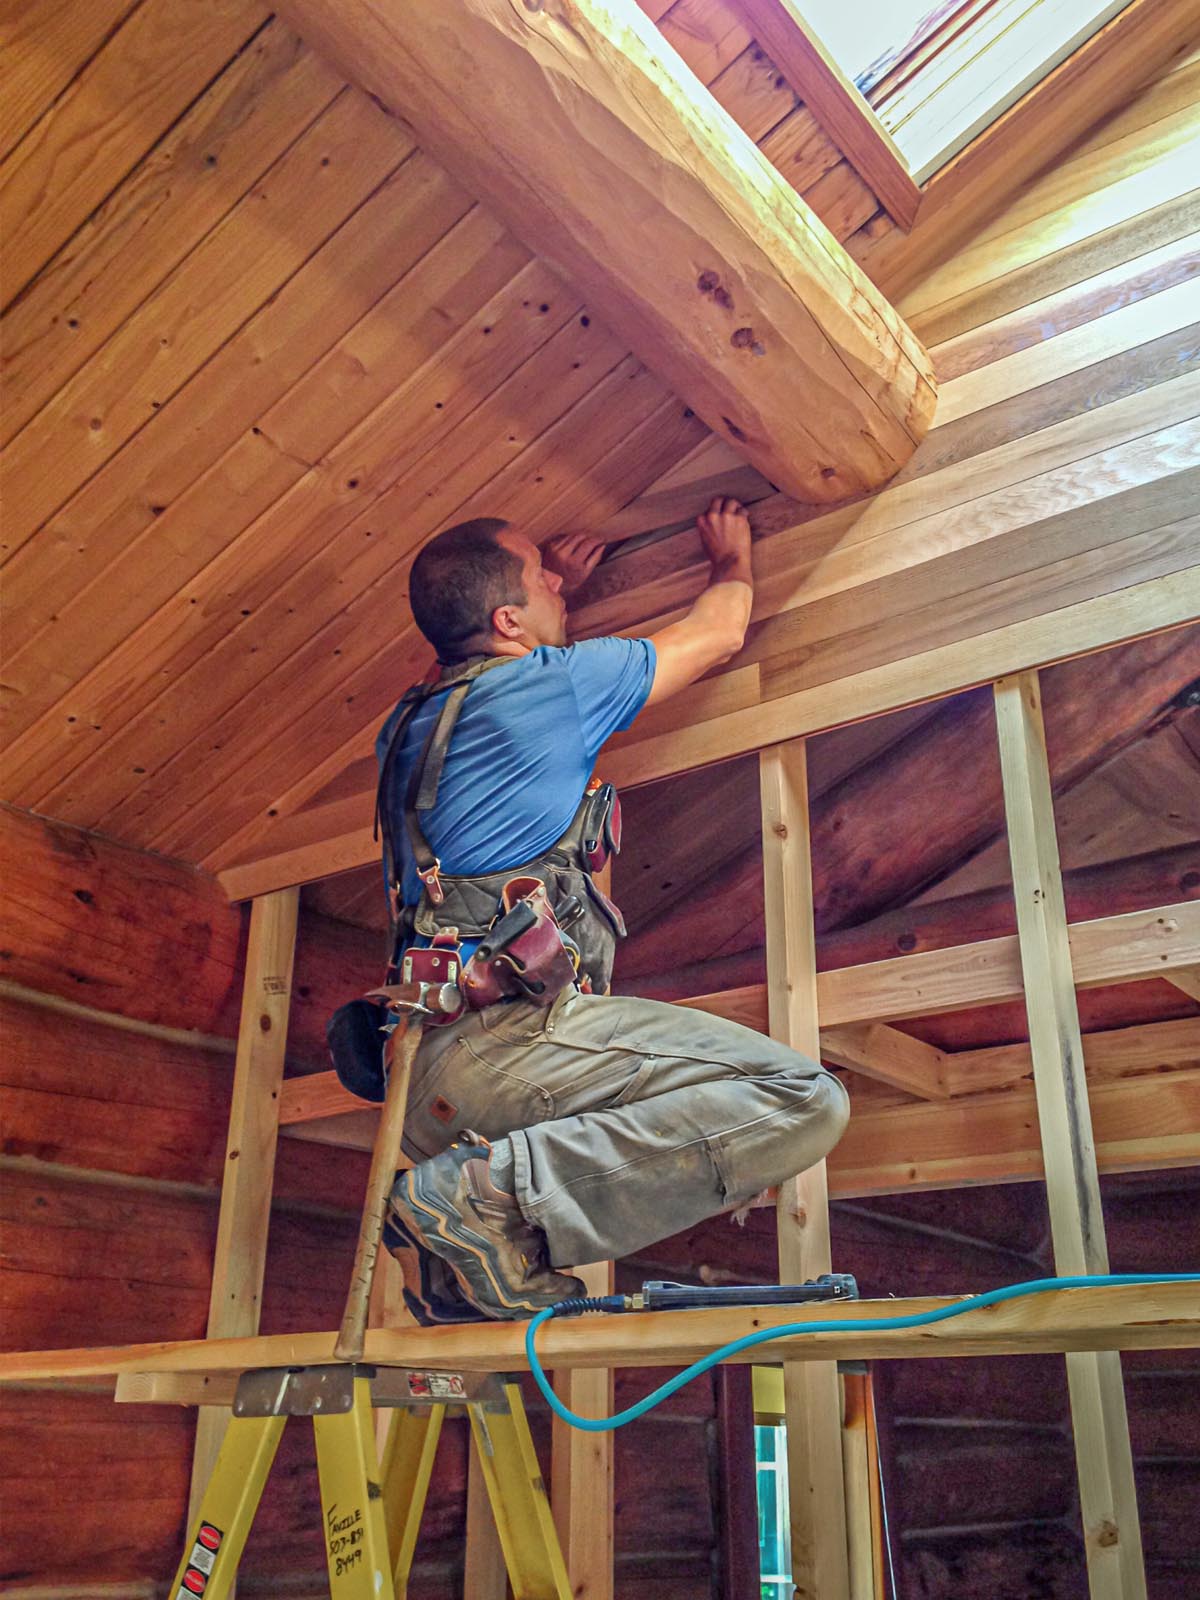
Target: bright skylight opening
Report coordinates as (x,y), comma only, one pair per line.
(939,76)
(856,32)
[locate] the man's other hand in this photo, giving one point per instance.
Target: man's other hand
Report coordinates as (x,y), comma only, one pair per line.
(573,556)
(724,531)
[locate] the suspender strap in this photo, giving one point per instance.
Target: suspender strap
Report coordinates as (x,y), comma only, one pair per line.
(426,775)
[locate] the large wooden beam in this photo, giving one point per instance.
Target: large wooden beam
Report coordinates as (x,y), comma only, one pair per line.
(1104,1455)
(585,131)
(812,1391)
(1163,1316)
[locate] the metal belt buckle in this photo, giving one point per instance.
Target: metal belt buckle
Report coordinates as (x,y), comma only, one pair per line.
(431,878)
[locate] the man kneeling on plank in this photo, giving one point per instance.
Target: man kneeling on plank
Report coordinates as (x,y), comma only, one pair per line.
(598,1124)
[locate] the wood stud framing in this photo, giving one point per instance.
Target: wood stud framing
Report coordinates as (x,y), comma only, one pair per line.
(812,1390)
(241,1250)
(1108,1499)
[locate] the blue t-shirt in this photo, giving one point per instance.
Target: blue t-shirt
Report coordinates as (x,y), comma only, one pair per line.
(521,755)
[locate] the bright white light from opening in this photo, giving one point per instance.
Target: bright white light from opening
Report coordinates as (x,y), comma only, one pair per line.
(855,32)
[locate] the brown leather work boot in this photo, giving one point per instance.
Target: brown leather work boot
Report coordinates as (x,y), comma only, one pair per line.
(451,1204)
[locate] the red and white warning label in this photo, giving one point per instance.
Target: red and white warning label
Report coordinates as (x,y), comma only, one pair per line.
(200,1562)
(436,1386)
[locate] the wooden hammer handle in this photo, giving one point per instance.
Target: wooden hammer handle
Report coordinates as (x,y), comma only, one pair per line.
(401,1050)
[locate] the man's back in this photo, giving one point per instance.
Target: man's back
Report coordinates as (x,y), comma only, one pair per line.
(521,754)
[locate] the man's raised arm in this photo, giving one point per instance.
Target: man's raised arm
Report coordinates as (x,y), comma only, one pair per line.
(715,628)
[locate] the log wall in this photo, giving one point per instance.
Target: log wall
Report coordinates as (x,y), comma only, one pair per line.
(110,1165)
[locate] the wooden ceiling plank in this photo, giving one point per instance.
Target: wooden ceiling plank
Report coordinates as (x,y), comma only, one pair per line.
(1108,250)
(336,287)
(1174,307)
(46,44)
(925,517)
(289,214)
(1100,77)
(994,582)
(842,200)
(368,676)
(599,410)
(658,507)
(800,150)
(1116,184)
(594,172)
(708,35)
(886,1055)
(1121,1316)
(1094,388)
(1057,635)
(338,544)
(754,92)
(1173,91)
(176,194)
(122,102)
(780,28)
(602,417)
(306,690)
(1072,580)
(209,495)
(1058,197)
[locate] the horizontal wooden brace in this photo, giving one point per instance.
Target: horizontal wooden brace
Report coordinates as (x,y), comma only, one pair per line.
(1089,625)
(1113,1317)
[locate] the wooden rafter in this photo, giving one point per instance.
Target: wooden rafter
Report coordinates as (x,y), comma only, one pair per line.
(644,192)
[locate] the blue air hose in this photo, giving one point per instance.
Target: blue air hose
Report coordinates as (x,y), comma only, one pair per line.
(919,1319)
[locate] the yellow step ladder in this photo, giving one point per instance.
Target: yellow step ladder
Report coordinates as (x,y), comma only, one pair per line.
(370,1512)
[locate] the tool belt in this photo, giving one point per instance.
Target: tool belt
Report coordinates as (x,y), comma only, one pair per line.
(471,904)
(541,926)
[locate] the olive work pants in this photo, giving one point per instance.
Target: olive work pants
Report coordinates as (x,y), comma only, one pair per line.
(630,1120)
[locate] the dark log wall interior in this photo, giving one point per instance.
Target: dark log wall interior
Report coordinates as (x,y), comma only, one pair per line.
(977,1454)
(113,1147)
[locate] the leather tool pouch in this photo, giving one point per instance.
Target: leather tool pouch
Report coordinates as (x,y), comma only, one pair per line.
(522,955)
(600,825)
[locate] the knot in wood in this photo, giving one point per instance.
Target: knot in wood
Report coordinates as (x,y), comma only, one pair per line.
(1108,1535)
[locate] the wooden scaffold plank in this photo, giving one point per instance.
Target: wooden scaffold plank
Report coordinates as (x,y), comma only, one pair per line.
(1104,1457)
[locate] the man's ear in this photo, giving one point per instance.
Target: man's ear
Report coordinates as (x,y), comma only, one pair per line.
(506,624)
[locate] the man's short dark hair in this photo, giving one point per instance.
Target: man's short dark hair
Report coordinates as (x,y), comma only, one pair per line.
(459,579)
